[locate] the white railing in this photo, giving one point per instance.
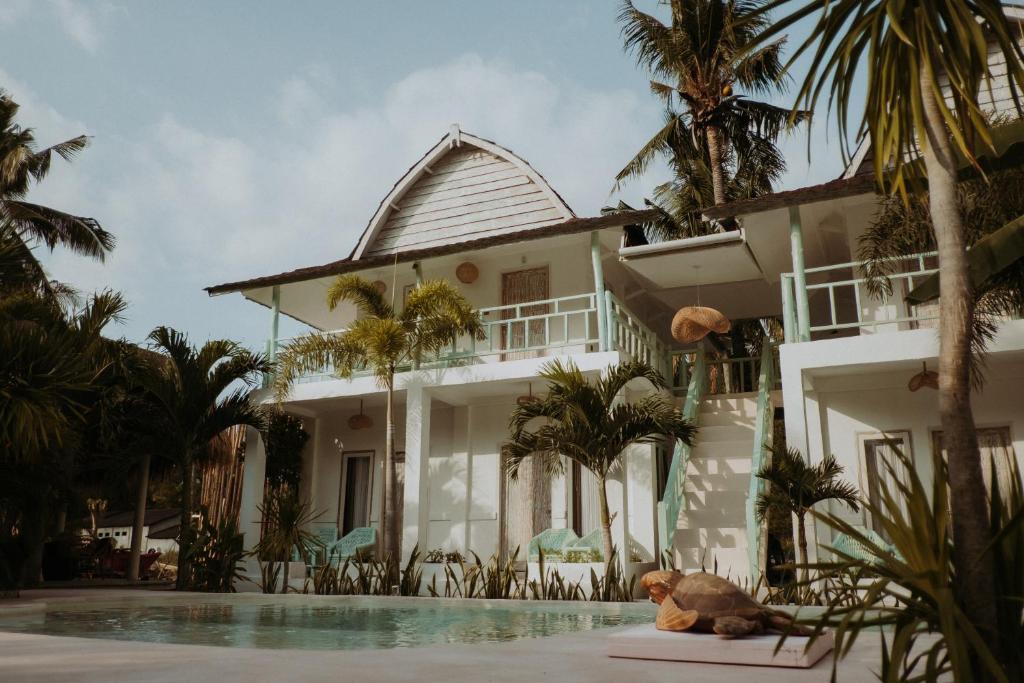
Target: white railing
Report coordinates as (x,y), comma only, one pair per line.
(841,300)
(628,334)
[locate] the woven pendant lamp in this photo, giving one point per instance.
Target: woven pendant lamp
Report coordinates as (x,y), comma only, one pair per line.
(360,421)
(925,378)
(467,273)
(693,323)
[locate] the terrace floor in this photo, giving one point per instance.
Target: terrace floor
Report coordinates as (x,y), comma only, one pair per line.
(576,657)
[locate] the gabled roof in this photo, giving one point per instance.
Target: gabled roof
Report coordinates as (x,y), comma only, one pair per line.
(153,516)
(463,188)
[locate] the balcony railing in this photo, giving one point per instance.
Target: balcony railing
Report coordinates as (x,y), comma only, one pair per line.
(722,375)
(840,299)
(628,334)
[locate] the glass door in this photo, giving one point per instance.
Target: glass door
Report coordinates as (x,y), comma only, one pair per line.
(355,490)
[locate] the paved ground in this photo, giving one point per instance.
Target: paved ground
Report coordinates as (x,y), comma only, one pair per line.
(566,658)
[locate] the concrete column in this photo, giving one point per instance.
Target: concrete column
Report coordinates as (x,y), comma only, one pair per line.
(254,474)
(642,499)
(417,469)
(462,472)
(602,320)
(275,319)
(796,241)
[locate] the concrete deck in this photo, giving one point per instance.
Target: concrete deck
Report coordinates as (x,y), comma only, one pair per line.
(566,658)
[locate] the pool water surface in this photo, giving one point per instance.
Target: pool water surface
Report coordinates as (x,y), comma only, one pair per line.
(316,622)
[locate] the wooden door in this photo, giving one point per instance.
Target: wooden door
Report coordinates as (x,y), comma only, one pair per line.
(519,287)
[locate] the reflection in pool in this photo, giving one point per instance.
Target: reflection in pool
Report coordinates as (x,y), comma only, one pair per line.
(318,623)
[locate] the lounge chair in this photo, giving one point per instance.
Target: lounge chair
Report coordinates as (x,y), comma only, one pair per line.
(589,542)
(551,541)
(360,541)
(315,552)
(854,548)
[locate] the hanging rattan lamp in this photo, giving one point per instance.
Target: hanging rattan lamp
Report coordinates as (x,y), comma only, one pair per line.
(380,286)
(528,398)
(360,421)
(693,323)
(925,378)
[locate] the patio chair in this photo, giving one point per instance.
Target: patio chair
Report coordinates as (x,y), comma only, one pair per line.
(551,541)
(315,551)
(360,541)
(589,542)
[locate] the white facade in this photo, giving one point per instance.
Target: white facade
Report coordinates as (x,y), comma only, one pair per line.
(572,288)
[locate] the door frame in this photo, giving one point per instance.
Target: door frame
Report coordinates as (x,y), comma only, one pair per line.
(343,481)
(504,333)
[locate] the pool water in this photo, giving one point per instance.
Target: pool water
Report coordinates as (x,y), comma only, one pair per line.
(318,623)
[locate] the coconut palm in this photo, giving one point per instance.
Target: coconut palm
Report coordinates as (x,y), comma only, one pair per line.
(382,339)
(22,164)
(194,402)
(794,488)
(911,51)
(699,57)
(591,423)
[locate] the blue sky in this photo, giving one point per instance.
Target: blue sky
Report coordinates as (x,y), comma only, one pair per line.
(235,139)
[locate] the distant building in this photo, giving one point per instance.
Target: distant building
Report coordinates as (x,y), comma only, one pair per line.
(160,529)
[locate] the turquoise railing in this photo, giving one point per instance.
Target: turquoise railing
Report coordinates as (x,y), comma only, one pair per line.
(763,430)
(628,334)
(672,500)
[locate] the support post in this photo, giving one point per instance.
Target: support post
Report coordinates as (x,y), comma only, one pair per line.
(418,269)
(275,318)
(789,326)
(417,470)
(602,320)
(796,241)
(254,474)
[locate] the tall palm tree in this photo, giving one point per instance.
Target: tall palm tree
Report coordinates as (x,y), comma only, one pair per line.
(590,423)
(192,391)
(381,340)
(906,48)
(794,487)
(26,223)
(700,58)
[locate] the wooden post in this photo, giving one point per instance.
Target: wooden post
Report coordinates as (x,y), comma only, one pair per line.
(788,304)
(599,300)
(796,241)
(418,269)
(275,317)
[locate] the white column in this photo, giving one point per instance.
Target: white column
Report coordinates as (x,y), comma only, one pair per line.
(417,469)
(642,499)
(254,474)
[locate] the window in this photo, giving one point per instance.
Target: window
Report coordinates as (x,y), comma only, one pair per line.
(996,448)
(878,464)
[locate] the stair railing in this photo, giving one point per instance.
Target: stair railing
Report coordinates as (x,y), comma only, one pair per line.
(672,500)
(763,430)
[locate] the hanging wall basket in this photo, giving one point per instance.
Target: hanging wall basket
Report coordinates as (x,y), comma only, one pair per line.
(467,273)
(360,421)
(693,323)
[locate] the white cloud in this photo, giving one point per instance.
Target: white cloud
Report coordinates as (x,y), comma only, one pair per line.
(194,207)
(81,21)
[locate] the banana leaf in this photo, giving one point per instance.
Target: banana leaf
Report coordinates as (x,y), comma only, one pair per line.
(989,256)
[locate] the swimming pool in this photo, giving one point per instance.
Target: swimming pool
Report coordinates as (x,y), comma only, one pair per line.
(316,622)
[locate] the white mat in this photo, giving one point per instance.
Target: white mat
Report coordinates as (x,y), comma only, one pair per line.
(647,642)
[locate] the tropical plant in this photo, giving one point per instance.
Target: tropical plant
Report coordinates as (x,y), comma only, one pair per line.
(194,399)
(911,596)
(26,224)
(720,145)
(795,487)
(286,520)
(284,440)
(926,62)
(591,423)
(212,562)
(382,339)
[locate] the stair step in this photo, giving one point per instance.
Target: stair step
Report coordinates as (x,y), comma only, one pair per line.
(728,432)
(735,448)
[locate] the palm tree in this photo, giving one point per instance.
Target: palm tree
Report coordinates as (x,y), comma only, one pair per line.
(194,402)
(700,57)
(794,488)
(382,339)
(590,423)
(26,223)
(906,48)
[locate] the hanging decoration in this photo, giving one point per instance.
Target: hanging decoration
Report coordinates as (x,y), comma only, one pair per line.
(925,378)
(467,273)
(693,323)
(380,286)
(527,398)
(360,421)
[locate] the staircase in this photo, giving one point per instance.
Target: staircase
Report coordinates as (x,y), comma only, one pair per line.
(712,525)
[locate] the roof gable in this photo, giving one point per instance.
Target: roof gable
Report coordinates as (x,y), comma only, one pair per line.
(465,188)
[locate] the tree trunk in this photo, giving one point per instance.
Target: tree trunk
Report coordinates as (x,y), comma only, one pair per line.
(606,520)
(139,522)
(801,535)
(716,152)
(388,525)
(971,535)
(185,536)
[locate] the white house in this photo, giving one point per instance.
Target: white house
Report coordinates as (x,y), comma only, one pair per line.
(551,284)
(159,530)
